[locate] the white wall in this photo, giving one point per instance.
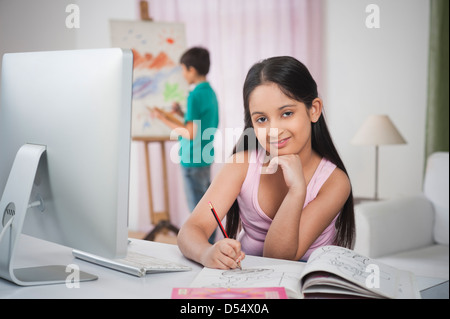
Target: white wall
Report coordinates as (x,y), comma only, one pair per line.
(94,20)
(34,25)
(378,71)
(27,25)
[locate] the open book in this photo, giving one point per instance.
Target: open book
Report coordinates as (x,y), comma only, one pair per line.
(331,271)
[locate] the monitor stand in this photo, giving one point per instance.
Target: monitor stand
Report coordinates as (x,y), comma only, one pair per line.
(13,208)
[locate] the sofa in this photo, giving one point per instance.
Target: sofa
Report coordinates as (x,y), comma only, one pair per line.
(410,232)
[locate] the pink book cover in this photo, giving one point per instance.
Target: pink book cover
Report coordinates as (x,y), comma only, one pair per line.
(229,293)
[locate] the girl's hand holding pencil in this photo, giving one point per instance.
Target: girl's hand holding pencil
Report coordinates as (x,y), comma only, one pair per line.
(225,253)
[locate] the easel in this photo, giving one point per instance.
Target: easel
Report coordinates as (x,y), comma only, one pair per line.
(161,220)
(143,8)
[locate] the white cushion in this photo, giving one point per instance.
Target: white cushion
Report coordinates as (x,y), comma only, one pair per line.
(436,189)
(391,226)
(431,261)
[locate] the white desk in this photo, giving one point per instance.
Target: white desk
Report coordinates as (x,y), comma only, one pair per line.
(111,283)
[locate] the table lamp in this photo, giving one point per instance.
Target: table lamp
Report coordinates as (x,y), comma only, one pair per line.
(377,130)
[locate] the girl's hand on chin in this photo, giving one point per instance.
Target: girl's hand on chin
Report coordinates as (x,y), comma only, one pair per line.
(292,170)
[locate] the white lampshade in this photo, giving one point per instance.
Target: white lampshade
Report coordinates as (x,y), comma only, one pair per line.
(378,130)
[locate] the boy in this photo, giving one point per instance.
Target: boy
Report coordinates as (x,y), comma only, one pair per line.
(202,114)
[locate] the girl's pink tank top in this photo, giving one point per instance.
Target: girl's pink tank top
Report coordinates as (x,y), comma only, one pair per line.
(255,223)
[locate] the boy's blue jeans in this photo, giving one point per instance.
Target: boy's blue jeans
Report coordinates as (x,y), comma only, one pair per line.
(196,182)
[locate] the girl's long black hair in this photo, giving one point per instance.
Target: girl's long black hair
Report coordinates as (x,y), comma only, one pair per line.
(294,80)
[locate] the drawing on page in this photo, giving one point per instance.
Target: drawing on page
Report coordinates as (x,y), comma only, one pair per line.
(250,277)
(238,277)
(348,262)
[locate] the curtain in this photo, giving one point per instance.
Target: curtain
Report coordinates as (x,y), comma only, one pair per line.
(237,34)
(437,125)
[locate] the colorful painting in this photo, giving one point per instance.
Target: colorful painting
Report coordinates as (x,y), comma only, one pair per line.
(157,76)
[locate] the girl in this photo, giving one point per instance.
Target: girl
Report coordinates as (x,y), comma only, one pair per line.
(284,213)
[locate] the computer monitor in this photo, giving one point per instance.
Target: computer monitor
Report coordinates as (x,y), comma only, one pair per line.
(65,126)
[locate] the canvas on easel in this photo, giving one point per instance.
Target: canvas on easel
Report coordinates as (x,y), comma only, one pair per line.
(157,74)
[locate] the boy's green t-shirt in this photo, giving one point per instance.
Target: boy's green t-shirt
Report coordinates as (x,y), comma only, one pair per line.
(202,109)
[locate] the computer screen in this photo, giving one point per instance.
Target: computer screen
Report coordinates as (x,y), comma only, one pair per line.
(65,134)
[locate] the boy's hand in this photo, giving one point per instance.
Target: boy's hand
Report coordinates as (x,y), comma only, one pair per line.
(176,108)
(224,254)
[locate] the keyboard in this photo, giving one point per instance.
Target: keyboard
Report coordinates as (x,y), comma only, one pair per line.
(134,263)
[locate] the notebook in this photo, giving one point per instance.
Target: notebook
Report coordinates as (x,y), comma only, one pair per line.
(331,271)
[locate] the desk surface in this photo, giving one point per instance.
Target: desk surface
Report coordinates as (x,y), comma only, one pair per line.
(115,284)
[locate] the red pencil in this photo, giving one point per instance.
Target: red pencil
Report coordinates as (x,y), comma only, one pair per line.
(221,227)
(218,220)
